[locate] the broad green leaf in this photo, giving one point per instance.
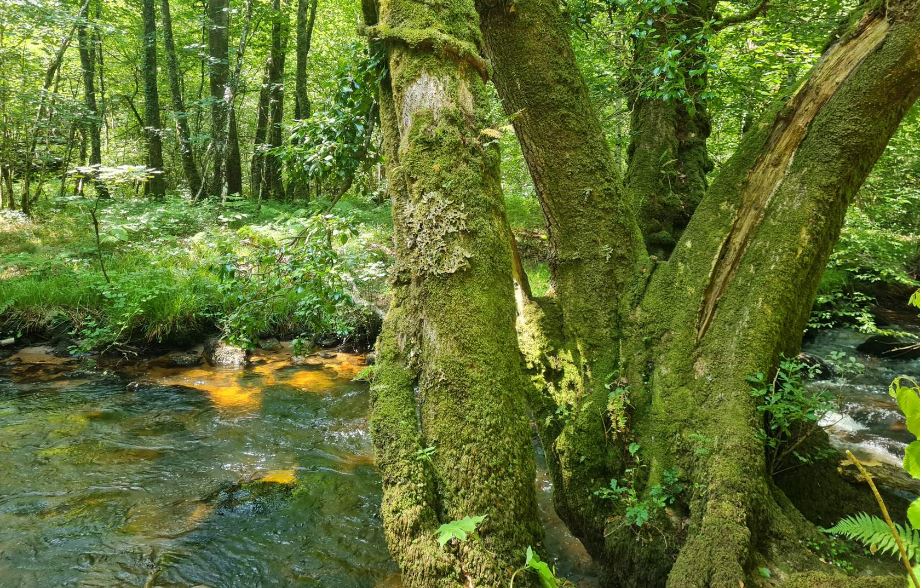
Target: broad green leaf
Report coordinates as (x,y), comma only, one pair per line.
(908,399)
(765,572)
(911,459)
(458,529)
(912,513)
(545,574)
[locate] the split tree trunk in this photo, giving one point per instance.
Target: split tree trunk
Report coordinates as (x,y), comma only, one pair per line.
(448,375)
(156,186)
(736,293)
(186,152)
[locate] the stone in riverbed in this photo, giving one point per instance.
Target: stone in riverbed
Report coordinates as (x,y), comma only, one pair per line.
(270,344)
(220,353)
(181,359)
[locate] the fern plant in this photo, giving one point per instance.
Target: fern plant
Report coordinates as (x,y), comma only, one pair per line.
(874,533)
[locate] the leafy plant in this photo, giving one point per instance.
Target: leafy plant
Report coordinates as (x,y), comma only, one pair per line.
(845,365)
(874,532)
(639,509)
(425,454)
(791,414)
(533,563)
(458,529)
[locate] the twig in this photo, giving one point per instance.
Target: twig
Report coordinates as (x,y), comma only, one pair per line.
(883,509)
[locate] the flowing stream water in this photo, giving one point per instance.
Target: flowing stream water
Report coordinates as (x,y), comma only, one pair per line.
(198,476)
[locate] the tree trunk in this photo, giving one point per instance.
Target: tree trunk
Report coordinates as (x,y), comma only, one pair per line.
(266,168)
(50,75)
(596,250)
(743,279)
(307,13)
(87,51)
(186,153)
(736,293)
(156,185)
(667,157)
(218,16)
(448,375)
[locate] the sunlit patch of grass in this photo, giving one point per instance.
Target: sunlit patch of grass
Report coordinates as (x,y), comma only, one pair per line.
(539,277)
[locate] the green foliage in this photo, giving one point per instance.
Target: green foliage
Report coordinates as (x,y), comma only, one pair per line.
(874,533)
(790,414)
(833,551)
(180,269)
(907,397)
(844,365)
(458,529)
(638,509)
(425,453)
(533,563)
(327,149)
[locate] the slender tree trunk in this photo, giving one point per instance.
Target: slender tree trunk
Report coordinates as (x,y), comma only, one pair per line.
(736,293)
(448,375)
(233,170)
(219,20)
(156,186)
(87,51)
(266,167)
(186,153)
(50,75)
(307,13)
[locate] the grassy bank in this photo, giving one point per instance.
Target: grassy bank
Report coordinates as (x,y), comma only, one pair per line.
(175,270)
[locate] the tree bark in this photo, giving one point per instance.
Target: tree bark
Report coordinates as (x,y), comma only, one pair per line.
(218,69)
(448,374)
(667,157)
(735,294)
(87,50)
(307,13)
(266,168)
(156,185)
(597,254)
(748,267)
(186,152)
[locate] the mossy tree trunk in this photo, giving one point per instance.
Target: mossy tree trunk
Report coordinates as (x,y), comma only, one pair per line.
(679,339)
(218,73)
(667,156)
(449,374)
(86,42)
(304,27)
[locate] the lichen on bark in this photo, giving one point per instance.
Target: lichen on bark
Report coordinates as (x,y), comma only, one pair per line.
(449,374)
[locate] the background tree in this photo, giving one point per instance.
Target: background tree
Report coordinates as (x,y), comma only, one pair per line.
(156,186)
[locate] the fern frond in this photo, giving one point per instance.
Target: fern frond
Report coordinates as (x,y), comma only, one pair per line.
(873,532)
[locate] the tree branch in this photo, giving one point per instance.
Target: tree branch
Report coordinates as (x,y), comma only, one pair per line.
(735,19)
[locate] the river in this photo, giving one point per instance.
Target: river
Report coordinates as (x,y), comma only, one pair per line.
(197,476)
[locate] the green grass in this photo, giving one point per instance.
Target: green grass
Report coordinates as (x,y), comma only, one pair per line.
(179,270)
